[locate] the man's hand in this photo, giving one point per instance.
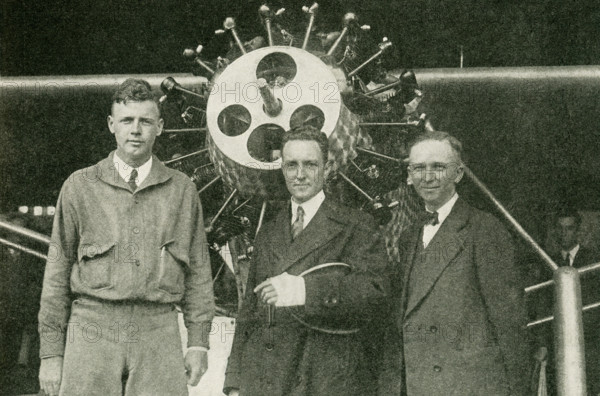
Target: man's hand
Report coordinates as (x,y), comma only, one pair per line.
(234,392)
(50,375)
(196,364)
(283,290)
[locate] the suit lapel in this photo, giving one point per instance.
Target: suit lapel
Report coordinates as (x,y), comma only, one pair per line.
(443,248)
(412,239)
(322,228)
(584,256)
(281,238)
(579,258)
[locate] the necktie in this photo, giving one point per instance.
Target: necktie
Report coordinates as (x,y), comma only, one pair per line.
(567,260)
(298,225)
(132,179)
(431,218)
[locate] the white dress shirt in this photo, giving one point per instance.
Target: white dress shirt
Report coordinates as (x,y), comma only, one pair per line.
(571,254)
(429,230)
(310,208)
(125,169)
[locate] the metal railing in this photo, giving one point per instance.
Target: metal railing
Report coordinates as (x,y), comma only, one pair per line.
(568,322)
(27,233)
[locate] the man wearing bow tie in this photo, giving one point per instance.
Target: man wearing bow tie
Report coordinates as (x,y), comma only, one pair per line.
(458,299)
(274,353)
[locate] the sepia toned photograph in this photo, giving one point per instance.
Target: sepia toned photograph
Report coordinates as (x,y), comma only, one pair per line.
(250,198)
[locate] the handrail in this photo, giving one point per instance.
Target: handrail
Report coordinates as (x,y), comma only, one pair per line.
(550,318)
(23,248)
(570,348)
(582,270)
(26,232)
(547,259)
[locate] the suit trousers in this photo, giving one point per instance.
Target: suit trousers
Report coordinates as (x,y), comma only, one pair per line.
(123,349)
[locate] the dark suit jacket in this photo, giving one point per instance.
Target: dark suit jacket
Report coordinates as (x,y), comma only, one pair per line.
(585,256)
(460,332)
(288,358)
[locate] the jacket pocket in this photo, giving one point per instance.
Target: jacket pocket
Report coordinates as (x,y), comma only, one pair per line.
(173,263)
(95,264)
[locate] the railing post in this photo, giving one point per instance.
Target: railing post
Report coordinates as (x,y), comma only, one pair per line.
(568,333)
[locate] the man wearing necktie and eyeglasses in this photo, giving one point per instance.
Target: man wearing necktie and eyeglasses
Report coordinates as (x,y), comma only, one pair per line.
(273,352)
(457,297)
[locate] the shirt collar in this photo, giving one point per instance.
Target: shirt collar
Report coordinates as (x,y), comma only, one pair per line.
(445,209)
(125,170)
(310,207)
(571,252)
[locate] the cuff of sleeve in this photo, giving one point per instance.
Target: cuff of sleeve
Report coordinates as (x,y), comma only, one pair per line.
(198,335)
(314,295)
(198,348)
(300,292)
(232,381)
(52,341)
(290,289)
(50,356)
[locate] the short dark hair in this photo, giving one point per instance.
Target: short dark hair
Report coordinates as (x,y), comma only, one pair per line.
(568,211)
(308,133)
(133,90)
(440,137)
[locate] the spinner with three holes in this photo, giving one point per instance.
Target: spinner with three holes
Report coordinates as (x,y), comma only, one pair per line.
(228,134)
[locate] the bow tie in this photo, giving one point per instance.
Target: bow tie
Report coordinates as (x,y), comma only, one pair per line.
(431,218)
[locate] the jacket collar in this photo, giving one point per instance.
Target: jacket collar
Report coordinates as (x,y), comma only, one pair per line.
(107,172)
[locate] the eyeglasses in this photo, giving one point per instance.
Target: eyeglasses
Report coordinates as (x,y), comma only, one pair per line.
(438,168)
(291,169)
